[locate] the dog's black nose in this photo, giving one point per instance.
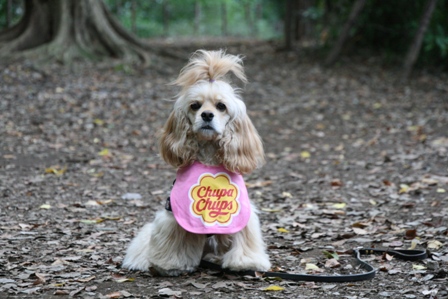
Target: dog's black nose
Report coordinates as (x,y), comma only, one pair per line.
(207,116)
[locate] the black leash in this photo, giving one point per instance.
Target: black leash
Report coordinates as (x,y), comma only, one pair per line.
(409,255)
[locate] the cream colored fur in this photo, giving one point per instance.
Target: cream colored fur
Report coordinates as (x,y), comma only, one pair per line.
(209,124)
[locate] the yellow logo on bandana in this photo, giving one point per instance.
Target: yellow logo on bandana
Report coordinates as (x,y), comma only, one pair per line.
(215,199)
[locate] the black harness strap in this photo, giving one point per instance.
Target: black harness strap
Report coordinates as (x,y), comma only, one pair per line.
(168,204)
(410,255)
(168,201)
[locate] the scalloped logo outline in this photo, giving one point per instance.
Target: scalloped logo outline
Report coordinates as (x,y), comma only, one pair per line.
(215,199)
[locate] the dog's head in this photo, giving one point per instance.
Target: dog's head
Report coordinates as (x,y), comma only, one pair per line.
(209,109)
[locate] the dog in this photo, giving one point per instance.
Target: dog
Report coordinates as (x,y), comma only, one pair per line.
(210,139)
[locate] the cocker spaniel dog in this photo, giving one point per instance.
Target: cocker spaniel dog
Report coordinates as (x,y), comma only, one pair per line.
(210,139)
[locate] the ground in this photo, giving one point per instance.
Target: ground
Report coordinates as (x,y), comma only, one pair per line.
(355,158)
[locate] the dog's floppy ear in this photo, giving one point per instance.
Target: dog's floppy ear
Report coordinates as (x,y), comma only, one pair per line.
(242,148)
(174,145)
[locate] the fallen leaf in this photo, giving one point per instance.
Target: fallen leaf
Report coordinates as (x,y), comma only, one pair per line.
(286,195)
(387,257)
(387,183)
(431,292)
(310,266)
(86,279)
(331,255)
(336,183)
(6,280)
(131,196)
(31,291)
(274,288)
(218,285)
(57,170)
(92,203)
(359,231)
(395,244)
(98,122)
(121,278)
(45,207)
(341,205)
(114,295)
(91,221)
(411,234)
(271,210)
(169,292)
(258,184)
(403,188)
(105,153)
(332,263)
(75,292)
(418,267)
(97,174)
(430,181)
(110,217)
(41,277)
(394,271)
(434,244)
(199,285)
(282,230)
(305,154)
(414,244)
(360,224)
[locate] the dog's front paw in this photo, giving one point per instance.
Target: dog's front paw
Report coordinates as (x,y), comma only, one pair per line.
(240,262)
(140,263)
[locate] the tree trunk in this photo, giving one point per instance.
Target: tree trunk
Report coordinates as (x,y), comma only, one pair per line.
(356,10)
(197,17)
(68,30)
(250,19)
(10,33)
(224,19)
(302,25)
(416,45)
(258,16)
(134,16)
(288,24)
(8,13)
(166,18)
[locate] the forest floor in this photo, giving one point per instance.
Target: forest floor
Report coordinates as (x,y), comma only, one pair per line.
(354,159)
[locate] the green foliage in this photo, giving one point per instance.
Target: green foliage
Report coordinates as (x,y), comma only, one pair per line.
(387,27)
(175,18)
(15,12)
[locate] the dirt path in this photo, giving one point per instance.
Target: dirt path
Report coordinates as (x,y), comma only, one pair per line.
(354,159)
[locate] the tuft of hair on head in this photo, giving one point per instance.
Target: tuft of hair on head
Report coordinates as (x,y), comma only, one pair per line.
(210,66)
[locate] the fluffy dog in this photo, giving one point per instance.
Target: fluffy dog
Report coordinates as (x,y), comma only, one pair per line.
(210,134)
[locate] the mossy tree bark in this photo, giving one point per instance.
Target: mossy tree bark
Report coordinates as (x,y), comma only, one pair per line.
(68,30)
(416,45)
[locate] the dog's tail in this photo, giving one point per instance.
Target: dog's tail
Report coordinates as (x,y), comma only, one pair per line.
(210,66)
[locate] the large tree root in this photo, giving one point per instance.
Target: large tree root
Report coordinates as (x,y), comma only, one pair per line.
(70,30)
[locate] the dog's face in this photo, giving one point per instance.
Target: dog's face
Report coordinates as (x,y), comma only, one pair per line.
(209,107)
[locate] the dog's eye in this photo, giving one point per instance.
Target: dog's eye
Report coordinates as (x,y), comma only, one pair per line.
(221,107)
(195,106)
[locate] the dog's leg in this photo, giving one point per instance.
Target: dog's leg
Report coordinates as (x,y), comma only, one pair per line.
(248,250)
(138,254)
(166,247)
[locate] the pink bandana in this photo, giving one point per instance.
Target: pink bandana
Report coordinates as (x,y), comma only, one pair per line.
(210,200)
